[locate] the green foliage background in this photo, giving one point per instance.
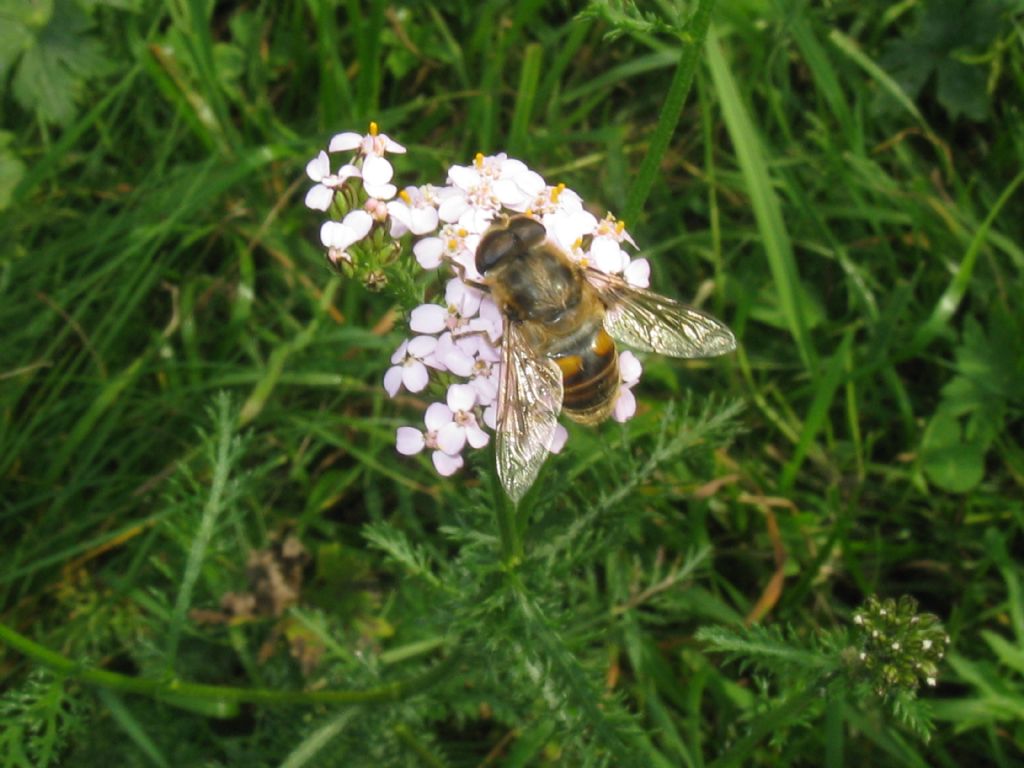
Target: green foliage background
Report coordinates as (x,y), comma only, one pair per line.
(182,382)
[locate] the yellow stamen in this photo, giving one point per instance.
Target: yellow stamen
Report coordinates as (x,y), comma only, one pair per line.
(556,192)
(478,161)
(405,196)
(462,233)
(578,243)
(620,227)
(453,244)
(373,128)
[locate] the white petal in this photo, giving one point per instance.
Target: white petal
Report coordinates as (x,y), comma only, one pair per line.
(491,416)
(453,357)
(476,436)
(408,441)
(424,219)
(415,376)
(570,201)
(359,221)
(509,193)
(343,142)
(607,255)
(558,438)
(451,208)
(451,438)
(625,405)
(319,166)
(511,168)
(461,296)
(464,177)
(393,380)
(421,346)
(466,259)
(437,415)
(428,252)
(629,367)
(334,234)
(319,198)
(380,191)
(391,145)
(377,170)
(476,219)
(428,318)
(446,465)
(531,182)
(398,229)
(397,209)
(348,171)
(638,273)
(486,389)
(461,397)
(399,354)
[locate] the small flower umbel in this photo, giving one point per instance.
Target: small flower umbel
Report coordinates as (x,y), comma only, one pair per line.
(357,196)
(898,647)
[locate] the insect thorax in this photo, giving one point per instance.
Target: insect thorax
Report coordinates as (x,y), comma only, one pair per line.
(537,286)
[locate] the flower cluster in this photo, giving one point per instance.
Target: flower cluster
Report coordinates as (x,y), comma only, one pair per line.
(457,336)
(898,646)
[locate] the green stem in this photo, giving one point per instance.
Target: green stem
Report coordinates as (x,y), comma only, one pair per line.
(693,44)
(178,690)
(508,530)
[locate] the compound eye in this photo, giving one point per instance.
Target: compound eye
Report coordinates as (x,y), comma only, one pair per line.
(529,230)
(494,247)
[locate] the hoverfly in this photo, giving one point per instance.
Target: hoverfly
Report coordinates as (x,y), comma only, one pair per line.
(558,350)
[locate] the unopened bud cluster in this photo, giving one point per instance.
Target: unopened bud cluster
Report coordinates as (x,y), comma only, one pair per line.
(898,647)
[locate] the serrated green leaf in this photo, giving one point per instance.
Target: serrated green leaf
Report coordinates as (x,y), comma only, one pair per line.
(946,28)
(55,66)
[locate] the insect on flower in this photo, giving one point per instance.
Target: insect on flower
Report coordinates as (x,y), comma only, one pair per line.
(528,326)
(558,352)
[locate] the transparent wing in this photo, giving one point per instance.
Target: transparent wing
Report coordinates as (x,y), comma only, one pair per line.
(646,320)
(529,401)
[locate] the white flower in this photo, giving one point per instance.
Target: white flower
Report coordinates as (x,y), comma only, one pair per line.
(463,427)
(408,367)
(463,303)
(413,212)
(341,234)
(409,441)
(481,190)
(320,197)
(484,380)
(558,198)
(610,227)
(568,228)
(373,144)
(453,357)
